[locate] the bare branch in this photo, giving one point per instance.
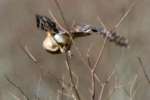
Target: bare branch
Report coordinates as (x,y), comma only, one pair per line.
(101,49)
(105,83)
(75,91)
(56,21)
(60,94)
(59,81)
(93,70)
(89,49)
(93,86)
(131,92)
(101,22)
(99,54)
(29,54)
(143,68)
(95,64)
(17,87)
(110,76)
(102,90)
(76,78)
(125,15)
(61,13)
(63,94)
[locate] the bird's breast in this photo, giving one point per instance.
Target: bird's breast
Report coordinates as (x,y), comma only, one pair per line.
(62,38)
(50,44)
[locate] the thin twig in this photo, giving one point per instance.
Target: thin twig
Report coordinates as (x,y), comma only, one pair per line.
(59,82)
(99,55)
(102,48)
(38,88)
(64,94)
(63,87)
(110,76)
(143,68)
(65,91)
(132,94)
(105,83)
(125,15)
(60,94)
(17,87)
(102,90)
(96,62)
(90,48)
(61,13)
(101,22)
(29,54)
(75,91)
(76,79)
(32,57)
(93,95)
(93,70)
(56,21)
(89,64)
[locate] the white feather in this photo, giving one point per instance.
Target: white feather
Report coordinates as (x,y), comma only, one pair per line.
(60,38)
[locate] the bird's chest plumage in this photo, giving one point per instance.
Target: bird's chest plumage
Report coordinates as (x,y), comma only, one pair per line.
(57,43)
(50,44)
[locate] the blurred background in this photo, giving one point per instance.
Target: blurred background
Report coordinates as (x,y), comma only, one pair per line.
(18,30)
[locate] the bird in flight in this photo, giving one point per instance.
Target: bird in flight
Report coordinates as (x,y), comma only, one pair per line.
(59,40)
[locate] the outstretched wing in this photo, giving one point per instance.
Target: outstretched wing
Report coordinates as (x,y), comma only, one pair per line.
(45,23)
(85,30)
